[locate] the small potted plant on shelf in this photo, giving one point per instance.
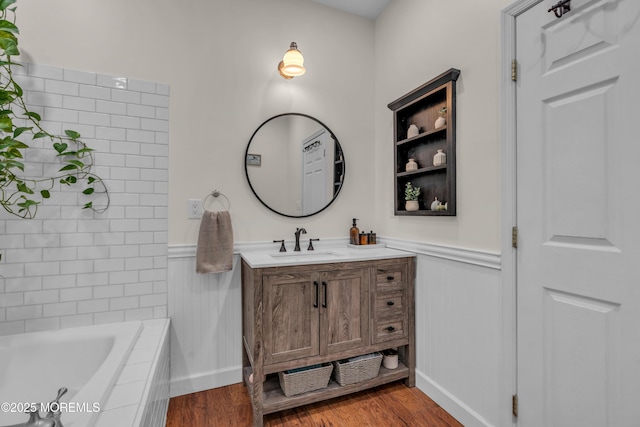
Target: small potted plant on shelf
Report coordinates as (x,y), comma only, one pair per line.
(411,194)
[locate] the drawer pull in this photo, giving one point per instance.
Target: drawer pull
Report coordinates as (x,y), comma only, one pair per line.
(390,303)
(390,328)
(390,277)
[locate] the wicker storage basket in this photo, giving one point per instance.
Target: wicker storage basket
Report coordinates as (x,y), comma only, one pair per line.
(298,381)
(358,369)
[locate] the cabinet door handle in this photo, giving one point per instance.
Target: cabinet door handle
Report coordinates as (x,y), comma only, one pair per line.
(390,328)
(390,277)
(324,303)
(390,303)
(315,284)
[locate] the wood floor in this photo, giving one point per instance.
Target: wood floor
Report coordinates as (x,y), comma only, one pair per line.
(386,406)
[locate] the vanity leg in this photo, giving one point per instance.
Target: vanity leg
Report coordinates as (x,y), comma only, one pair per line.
(257,399)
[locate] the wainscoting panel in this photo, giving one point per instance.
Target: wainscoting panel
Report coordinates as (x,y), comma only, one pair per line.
(206,325)
(459,346)
(460,328)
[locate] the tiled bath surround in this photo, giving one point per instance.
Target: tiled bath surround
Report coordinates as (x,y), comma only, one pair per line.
(140,396)
(72,267)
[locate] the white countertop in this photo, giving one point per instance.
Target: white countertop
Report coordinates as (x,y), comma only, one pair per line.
(273,258)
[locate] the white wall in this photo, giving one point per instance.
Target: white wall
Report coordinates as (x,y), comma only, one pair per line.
(416,40)
(220,59)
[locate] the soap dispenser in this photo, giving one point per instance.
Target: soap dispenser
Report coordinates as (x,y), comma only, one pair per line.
(353,233)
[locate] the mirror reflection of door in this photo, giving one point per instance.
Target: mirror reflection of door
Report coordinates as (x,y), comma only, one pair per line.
(317,150)
(295,177)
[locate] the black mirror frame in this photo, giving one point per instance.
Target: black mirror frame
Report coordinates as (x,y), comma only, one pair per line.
(333,136)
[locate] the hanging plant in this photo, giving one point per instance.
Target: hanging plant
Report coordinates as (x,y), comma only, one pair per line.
(21,195)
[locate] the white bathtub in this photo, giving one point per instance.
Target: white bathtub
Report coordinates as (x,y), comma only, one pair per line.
(86,360)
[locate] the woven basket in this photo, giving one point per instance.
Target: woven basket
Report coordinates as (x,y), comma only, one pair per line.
(362,369)
(302,381)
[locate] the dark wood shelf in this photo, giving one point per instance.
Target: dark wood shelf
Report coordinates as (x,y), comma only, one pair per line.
(422,135)
(421,171)
(422,107)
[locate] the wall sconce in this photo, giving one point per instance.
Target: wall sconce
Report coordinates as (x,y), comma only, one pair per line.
(292,64)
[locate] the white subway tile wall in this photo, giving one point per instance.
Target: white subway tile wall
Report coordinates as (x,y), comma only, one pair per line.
(72,267)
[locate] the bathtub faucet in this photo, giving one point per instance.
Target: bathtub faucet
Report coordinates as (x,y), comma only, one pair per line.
(52,419)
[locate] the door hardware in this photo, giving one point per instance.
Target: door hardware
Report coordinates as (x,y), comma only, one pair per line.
(324,303)
(561,8)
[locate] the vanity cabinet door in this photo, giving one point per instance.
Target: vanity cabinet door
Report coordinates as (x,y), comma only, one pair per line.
(291,316)
(344,315)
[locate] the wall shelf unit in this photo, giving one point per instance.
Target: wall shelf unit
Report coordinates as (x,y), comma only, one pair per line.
(422,107)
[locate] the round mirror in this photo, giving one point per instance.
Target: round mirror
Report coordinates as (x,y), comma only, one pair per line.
(294,165)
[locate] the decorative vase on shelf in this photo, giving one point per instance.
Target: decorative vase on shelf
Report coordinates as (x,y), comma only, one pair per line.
(441,121)
(439,158)
(435,204)
(411,165)
(412,131)
(411,205)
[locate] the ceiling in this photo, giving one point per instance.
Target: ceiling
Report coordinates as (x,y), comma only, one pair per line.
(367,8)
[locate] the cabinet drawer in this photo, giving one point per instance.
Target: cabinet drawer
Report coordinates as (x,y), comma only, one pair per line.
(392,277)
(389,304)
(390,328)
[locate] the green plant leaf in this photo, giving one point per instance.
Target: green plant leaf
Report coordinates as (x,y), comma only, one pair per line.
(6,124)
(6,97)
(18,131)
(72,134)
(88,191)
(88,205)
(33,115)
(4,4)
(40,135)
(45,194)
(9,44)
(18,89)
(68,168)
(8,26)
(60,147)
(76,163)
(23,187)
(8,164)
(91,180)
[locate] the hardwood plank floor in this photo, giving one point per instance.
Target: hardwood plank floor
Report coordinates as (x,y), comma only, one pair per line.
(390,405)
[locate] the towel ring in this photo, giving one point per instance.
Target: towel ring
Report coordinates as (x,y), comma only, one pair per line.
(216,194)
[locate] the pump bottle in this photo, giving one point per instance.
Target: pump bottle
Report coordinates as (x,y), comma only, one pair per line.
(354,233)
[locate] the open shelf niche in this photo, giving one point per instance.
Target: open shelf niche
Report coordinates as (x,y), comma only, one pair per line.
(422,107)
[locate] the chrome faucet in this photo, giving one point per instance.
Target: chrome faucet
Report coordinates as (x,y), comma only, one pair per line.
(297,234)
(52,419)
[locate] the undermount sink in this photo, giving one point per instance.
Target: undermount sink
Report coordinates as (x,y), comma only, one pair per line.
(314,254)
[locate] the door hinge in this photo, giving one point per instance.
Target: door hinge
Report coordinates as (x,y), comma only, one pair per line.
(514,70)
(514,237)
(514,405)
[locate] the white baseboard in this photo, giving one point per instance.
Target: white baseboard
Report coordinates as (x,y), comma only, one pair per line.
(205,381)
(461,412)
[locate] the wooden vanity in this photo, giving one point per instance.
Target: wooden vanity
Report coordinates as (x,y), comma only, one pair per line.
(300,315)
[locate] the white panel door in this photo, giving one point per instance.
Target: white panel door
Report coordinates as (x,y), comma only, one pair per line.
(314,189)
(578,211)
